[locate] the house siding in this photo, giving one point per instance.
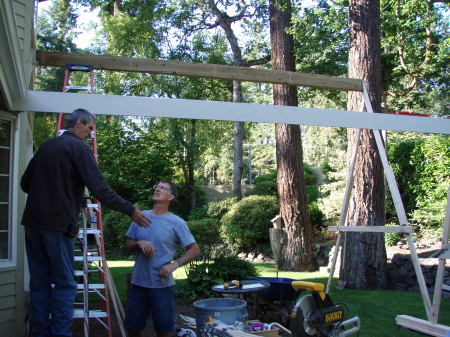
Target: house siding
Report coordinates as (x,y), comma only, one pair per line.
(13,303)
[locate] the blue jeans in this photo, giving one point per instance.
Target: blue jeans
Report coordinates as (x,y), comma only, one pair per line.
(159,301)
(50,260)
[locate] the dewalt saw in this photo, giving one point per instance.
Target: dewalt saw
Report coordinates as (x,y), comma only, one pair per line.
(316,315)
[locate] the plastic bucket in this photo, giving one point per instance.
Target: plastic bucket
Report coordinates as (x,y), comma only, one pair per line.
(227,310)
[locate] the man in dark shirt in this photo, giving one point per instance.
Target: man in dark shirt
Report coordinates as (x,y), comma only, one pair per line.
(55,180)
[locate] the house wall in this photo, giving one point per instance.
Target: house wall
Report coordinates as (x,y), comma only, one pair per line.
(13,271)
(17,36)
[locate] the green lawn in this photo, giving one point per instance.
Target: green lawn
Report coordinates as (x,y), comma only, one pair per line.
(377,309)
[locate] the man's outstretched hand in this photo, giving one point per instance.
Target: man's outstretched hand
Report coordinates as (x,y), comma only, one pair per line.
(140,218)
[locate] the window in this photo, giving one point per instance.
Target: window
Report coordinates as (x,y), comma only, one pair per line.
(5,186)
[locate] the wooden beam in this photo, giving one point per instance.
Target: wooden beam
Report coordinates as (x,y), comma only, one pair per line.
(421,325)
(46,101)
(225,72)
(369,229)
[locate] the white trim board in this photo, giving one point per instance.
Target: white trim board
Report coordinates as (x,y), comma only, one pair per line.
(45,101)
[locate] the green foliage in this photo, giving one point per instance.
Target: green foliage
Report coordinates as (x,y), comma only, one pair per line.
(421,168)
(131,156)
(405,172)
(219,208)
(202,276)
(207,235)
(316,215)
(115,227)
(391,238)
(245,228)
(198,214)
(265,184)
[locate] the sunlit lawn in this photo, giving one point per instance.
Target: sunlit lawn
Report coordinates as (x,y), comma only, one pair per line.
(377,309)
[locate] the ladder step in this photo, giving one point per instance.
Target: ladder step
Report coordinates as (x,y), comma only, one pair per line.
(77,87)
(90,271)
(91,286)
(79,67)
(79,313)
(96,206)
(90,250)
(89,258)
(91,231)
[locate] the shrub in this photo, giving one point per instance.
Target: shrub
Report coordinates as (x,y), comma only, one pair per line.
(207,236)
(198,213)
(245,228)
(218,208)
(264,184)
(316,215)
(202,276)
(115,226)
(391,238)
(421,167)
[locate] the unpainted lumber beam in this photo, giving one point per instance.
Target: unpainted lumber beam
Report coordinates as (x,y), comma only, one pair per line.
(217,71)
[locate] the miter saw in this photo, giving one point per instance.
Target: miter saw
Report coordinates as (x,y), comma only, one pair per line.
(316,315)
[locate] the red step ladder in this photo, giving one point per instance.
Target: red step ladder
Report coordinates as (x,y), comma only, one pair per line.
(89,245)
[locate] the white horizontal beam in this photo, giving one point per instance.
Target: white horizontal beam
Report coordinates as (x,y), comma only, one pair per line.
(44,101)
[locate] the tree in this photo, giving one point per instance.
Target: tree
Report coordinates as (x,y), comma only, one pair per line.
(213,14)
(415,55)
(296,251)
(364,255)
(54,33)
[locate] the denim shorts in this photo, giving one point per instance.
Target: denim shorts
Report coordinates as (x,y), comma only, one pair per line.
(160,302)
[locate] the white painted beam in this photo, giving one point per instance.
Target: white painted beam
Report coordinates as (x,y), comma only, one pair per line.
(43,101)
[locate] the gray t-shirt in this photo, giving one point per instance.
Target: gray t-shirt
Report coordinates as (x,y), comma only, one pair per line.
(166,233)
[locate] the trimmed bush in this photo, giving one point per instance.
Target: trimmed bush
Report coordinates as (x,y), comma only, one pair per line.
(245,228)
(202,276)
(207,236)
(218,208)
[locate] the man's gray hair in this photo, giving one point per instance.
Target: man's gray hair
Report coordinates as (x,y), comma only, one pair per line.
(84,115)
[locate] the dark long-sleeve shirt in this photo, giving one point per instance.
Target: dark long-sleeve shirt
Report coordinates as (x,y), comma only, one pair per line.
(55,180)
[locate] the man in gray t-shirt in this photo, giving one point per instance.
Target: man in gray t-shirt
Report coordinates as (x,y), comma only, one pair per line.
(152,283)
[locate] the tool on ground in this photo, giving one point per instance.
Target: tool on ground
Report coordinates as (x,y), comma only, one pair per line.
(315,314)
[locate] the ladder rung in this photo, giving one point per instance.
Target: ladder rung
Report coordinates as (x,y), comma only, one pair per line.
(80,286)
(79,67)
(81,273)
(89,231)
(372,229)
(79,313)
(89,258)
(92,250)
(93,206)
(77,87)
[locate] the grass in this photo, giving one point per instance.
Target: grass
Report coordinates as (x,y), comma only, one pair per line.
(377,309)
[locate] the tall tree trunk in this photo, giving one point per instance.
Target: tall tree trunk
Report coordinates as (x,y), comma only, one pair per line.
(296,251)
(364,264)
